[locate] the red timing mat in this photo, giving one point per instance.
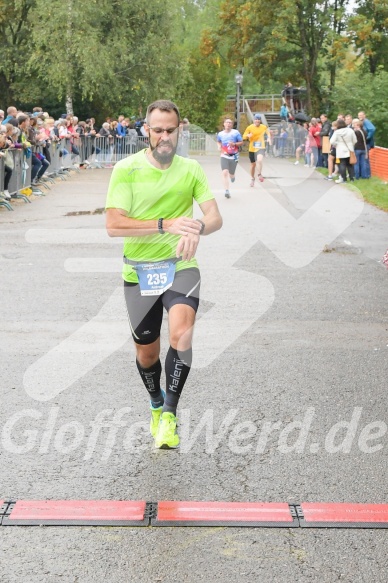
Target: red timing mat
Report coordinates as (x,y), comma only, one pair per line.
(76,512)
(185,513)
(175,513)
(344,515)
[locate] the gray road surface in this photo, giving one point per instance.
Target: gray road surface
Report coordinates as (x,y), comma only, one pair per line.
(290,371)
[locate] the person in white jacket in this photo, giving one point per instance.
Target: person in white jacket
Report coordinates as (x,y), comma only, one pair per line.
(343,140)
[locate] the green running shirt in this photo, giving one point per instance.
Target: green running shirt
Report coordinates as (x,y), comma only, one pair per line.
(147,193)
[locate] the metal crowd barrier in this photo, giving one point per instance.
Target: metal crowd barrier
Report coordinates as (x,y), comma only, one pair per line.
(201,143)
(284,147)
(21,174)
(100,151)
(2,173)
(65,155)
(3,202)
(20,185)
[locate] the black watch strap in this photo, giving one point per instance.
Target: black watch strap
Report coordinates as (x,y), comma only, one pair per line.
(160,226)
(202,226)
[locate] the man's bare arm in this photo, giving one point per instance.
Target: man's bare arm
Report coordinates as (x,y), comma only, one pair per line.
(118,224)
(211,217)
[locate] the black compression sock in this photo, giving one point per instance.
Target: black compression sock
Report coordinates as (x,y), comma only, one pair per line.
(177,370)
(151,379)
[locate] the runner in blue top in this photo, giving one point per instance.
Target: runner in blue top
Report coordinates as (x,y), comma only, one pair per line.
(229,141)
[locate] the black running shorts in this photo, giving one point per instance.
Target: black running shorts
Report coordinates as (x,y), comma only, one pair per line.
(145,313)
(253,155)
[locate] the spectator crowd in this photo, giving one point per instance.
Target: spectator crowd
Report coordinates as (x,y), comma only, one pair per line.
(34,132)
(341,146)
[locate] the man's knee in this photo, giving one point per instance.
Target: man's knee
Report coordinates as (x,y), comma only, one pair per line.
(147,354)
(181,325)
(181,337)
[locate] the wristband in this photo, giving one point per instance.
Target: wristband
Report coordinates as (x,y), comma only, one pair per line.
(202,226)
(160,226)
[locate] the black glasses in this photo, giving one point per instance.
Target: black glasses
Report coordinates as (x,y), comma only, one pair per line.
(162,130)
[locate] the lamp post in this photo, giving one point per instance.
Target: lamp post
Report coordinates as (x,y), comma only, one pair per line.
(239,79)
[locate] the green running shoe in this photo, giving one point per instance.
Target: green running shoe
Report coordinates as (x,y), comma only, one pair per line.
(166,436)
(155,418)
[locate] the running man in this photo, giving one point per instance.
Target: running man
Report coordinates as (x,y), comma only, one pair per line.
(229,141)
(255,133)
(150,203)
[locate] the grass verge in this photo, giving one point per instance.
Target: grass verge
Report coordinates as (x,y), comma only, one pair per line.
(374,190)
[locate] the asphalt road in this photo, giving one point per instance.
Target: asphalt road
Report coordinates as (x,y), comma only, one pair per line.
(286,402)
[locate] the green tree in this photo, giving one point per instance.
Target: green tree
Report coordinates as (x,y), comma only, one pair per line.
(15,31)
(283,40)
(359,91)
(115,53)
(67,41)
(202,94)
(369,30)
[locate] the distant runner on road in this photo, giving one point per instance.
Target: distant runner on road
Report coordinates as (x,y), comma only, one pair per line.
(255,133)
(229,141)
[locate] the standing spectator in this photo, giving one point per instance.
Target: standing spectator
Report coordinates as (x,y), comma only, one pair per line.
(331,161)
(143,130)
(325,138)
(90,123)
(301,133)
(107,143)
(282,139)
(185,138)
(64,134)
(5,144)
(11,117)
(132,138)
(70,134)
(44,138)
(284,112)
(113,126)
(121,129)
(39,162)
(80,130)
(315,141)
(360,168)
(344,139)
(120,133)
(370,133)
(309,147)
(90,139)
(24,123)
(25,133)
(138,125)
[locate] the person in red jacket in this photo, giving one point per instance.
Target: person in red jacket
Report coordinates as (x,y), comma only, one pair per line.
(315,138)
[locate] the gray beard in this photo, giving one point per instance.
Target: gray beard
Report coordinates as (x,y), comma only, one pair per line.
(165,158)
